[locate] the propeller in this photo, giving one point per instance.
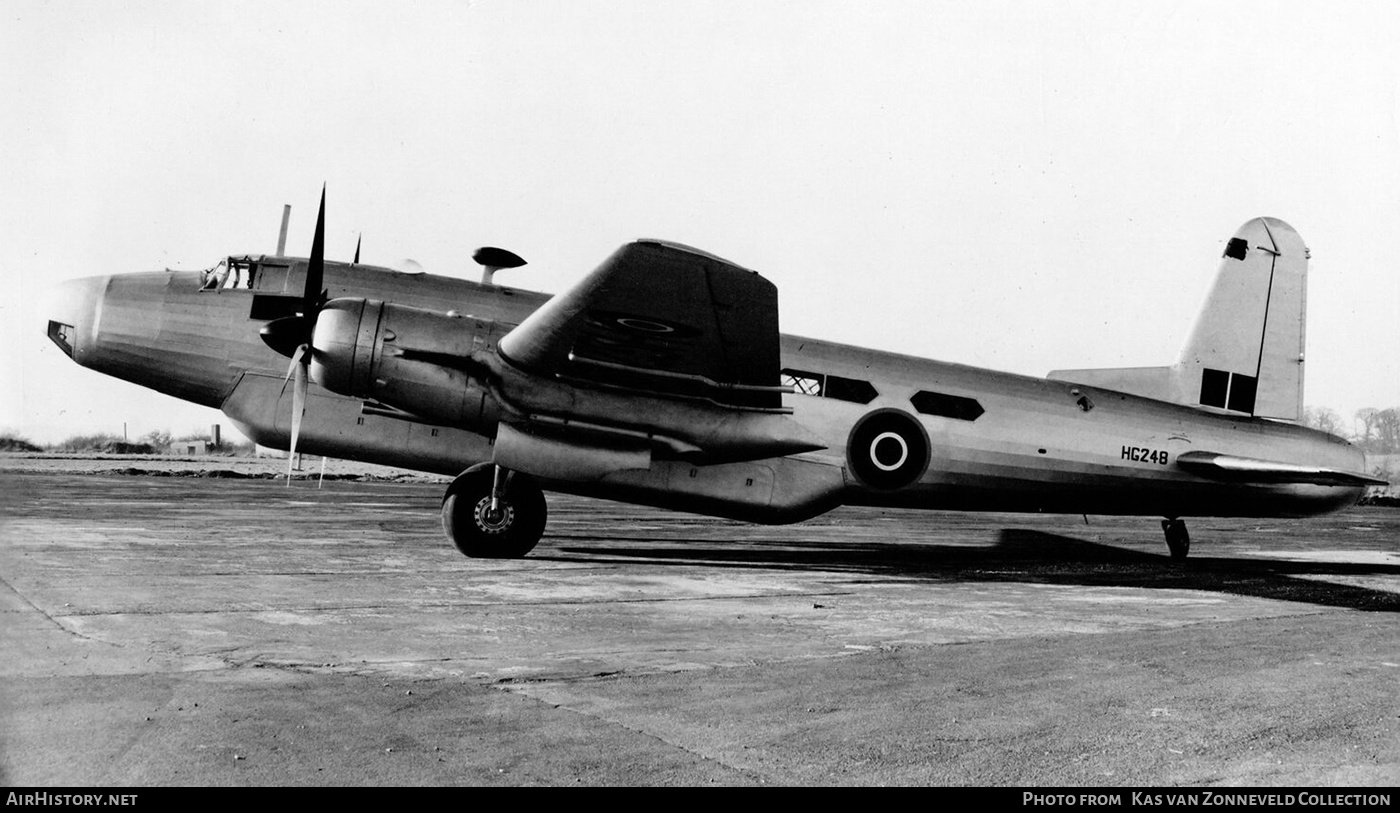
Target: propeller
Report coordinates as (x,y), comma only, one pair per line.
(297,370)
(291,335)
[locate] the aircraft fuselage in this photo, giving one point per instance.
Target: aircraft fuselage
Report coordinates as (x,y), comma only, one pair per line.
(896,430)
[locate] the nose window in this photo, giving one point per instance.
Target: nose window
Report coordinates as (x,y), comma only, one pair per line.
(62,335)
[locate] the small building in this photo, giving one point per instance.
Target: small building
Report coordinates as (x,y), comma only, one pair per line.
(189,447)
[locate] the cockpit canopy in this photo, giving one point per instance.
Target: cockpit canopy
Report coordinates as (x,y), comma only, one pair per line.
(249,273)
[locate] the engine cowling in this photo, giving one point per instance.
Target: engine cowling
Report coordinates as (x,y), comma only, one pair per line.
(412,359)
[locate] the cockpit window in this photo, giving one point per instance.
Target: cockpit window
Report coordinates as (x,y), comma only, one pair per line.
(230,273)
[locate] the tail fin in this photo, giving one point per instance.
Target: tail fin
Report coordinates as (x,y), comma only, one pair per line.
(1245,353)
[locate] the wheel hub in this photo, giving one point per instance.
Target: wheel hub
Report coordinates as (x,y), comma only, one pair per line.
(494,522)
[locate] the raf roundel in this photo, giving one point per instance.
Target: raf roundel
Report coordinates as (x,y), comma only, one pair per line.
(644,325)
(888,449)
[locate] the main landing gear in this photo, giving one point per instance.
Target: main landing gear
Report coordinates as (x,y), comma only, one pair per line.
(1178,540)
(491,513)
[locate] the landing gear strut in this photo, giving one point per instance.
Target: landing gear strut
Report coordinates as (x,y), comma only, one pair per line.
(1178,540)
(492,513)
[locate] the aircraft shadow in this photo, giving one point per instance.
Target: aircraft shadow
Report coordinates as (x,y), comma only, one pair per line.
(1017,556)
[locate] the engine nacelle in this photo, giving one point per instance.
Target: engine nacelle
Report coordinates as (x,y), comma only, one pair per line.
(408,358)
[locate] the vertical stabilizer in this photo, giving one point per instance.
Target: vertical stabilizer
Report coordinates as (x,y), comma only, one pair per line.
(1245,353)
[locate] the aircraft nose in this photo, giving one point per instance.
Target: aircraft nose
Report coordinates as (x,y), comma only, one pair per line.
(71,309)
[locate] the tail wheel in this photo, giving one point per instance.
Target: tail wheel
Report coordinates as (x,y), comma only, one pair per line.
(507,531)
(1178,540)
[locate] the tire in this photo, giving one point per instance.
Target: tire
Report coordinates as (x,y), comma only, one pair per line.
(514,529)
(1178,539)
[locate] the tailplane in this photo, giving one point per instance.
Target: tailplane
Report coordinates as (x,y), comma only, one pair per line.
(1245,353)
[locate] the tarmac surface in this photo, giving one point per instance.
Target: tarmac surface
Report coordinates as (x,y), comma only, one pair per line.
(207,631)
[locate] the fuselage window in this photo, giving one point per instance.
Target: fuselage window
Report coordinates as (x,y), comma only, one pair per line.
(829,386)
(947,406)
(850,389)
(802,382)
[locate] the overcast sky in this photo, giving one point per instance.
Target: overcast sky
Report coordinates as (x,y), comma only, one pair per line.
(1022,186)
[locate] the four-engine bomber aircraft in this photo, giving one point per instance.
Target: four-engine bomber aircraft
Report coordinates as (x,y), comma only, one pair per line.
(660,378)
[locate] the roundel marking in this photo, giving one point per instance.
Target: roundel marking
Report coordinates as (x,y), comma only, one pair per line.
(644,325)
(888,449)
(633,324)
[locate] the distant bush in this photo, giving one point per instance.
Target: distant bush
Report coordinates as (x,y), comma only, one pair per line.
(157,440)
(101,444)
(14,443)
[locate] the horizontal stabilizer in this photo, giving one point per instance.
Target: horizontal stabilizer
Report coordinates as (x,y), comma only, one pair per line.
(1249,469)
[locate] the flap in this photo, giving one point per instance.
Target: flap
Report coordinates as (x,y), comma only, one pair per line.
(664,319)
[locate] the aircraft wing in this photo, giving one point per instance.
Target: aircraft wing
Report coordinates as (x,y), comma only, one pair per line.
(664,319)
(1249,469)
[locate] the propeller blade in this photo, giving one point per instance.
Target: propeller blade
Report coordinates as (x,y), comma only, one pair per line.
(290,332)
(298,371)
(315,271)
(296,360)
(291,335)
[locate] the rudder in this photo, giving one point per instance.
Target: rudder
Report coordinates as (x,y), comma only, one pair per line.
(1245,353)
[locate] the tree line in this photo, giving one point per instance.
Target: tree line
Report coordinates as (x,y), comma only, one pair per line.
(1376,431)
(156,442)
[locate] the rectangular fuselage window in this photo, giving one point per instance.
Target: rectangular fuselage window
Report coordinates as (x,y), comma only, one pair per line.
(802,382)
(822,385)
(1242,391)
(1215,384)
(1233,391)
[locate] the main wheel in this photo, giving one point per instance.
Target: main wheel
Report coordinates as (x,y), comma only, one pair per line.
(1178,540)
(509,531)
